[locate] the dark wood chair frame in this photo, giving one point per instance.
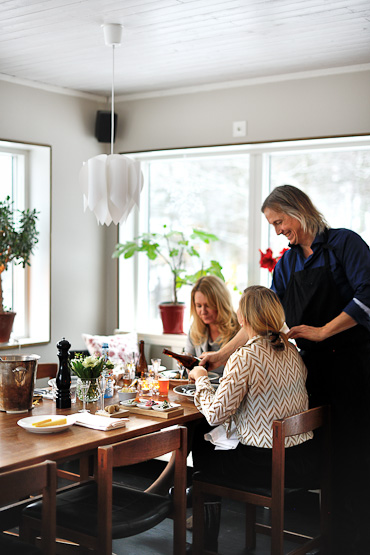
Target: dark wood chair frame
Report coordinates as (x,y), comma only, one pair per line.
(18,484)
(127,453)
(299,423)
(46,370)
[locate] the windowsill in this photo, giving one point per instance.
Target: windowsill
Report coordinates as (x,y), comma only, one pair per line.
(173,341)
(23,342)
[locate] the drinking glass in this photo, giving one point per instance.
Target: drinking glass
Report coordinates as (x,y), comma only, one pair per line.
(164,385)
(156,364)
(102,384)
(84,385)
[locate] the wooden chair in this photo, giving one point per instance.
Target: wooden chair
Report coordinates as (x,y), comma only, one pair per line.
(46,370)
(273,498)
(94,513)
(18,484)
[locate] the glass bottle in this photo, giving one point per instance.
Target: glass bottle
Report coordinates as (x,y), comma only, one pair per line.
(141,367)
(108,376)
(188,361)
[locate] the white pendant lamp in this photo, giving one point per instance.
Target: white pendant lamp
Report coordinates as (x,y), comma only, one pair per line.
(111,184)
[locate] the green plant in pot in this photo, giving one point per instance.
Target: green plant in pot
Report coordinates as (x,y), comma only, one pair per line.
(18,237)
(175,249)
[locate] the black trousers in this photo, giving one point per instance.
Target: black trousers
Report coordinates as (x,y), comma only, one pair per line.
(251,466)
(341,378)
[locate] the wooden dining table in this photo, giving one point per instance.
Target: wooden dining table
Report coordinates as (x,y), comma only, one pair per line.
(19,448)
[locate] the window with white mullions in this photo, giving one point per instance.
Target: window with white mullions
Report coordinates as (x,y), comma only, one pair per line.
(25,179)
(221,190)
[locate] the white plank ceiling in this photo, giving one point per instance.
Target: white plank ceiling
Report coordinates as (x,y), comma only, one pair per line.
(171,44)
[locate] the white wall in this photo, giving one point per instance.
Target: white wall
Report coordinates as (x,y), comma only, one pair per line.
(290,109)
(78,244)
(83,275)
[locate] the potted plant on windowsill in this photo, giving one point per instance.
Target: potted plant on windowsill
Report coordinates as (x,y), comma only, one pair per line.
(18,237)
(175,249)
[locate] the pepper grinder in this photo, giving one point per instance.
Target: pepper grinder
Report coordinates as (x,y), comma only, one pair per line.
(63,379)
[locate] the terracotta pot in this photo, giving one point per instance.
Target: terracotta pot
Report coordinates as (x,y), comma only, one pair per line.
(6,326)
(172,317)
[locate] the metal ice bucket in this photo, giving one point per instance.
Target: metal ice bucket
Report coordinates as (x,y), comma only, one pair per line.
(17,380)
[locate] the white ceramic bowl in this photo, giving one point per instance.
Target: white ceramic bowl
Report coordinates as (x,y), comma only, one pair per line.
(125,395)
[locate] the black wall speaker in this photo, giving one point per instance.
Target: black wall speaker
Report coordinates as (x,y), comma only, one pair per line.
(103,125)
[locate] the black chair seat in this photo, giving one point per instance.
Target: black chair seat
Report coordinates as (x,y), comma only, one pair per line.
(133,511)
(11,545)
(209,479)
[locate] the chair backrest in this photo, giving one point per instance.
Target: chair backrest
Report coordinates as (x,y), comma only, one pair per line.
(46,370)
(18,484)
(134,451)
(300,423)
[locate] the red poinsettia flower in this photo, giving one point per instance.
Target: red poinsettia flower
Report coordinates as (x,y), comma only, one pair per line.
(267,259)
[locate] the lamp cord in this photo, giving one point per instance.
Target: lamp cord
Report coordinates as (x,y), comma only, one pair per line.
(112,105)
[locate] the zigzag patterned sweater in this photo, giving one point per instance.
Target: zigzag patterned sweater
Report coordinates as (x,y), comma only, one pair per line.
(259,385)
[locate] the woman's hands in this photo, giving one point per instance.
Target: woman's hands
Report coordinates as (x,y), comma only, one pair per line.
(214,359)
(218,358)
(196,373)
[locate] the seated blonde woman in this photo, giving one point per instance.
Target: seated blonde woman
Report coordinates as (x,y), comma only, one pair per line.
(263,380)
(214,321)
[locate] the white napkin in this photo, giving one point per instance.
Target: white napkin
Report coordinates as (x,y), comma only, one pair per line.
(219,438)
(99,422)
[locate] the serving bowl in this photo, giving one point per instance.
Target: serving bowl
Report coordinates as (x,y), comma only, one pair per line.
(125,395)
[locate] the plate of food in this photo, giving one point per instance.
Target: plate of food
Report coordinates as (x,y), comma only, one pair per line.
(130,402)
(165,405)
(188,390)
(46,423)
(146,404)
(175,376)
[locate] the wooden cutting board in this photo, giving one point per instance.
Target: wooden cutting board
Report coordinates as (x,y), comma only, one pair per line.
(170,413)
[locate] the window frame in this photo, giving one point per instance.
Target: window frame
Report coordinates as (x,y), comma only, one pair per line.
(129,306)
(36,279)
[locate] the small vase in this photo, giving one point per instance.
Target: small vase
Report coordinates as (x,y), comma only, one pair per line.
(92,393)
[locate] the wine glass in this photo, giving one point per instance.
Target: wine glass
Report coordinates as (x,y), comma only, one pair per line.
(84,385)
(102,382)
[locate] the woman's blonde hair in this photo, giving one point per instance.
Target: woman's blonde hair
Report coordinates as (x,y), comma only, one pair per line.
(219,299)
(262,310)
(296,204)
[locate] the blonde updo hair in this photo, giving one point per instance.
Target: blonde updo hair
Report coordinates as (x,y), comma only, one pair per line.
(262,310)
(295,203)
(219,299)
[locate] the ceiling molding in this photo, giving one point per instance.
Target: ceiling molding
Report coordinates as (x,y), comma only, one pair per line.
(52,88)
(245,82)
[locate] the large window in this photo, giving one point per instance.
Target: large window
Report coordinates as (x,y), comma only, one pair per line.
(25,178)
(221,190)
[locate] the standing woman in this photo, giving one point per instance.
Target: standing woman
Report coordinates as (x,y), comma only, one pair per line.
(323,282)
(214,321)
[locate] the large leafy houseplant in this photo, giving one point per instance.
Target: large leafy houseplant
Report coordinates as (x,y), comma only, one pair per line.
(175,249)
(18,237)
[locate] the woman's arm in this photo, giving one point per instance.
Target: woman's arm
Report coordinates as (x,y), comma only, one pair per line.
(341,323)
(218,358)
(217,406)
